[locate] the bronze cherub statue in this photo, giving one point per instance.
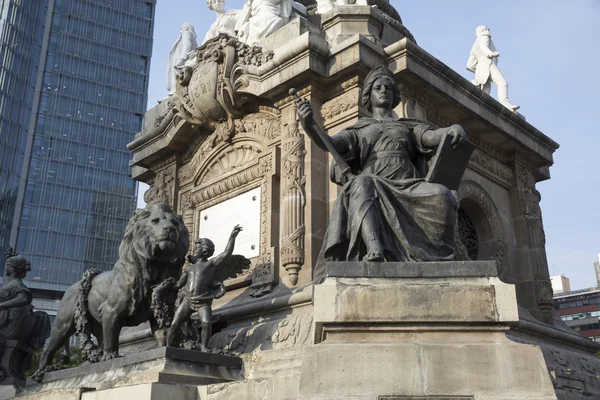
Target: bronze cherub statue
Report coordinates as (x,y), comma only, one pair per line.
(203,281)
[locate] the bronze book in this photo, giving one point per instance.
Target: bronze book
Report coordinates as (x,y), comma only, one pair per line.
(448,164)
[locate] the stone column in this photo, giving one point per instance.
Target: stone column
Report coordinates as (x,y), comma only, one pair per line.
(293,194)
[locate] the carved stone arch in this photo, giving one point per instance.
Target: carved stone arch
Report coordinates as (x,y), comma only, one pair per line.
(482,212)
(227,159)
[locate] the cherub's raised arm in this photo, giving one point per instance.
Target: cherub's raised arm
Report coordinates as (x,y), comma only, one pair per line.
(229,248)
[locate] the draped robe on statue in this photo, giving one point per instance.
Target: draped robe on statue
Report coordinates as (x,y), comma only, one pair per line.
(417,218)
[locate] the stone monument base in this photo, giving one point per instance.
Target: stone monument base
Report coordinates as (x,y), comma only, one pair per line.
(163,373)
(420,331)
(381,331)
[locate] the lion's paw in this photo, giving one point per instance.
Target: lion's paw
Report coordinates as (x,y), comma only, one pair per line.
(109,356)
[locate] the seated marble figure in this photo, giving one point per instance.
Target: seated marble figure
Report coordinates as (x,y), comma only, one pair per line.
(386,209)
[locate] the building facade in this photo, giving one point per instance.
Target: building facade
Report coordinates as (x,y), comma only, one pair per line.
(560,284)
(580,310)
(597,270)
(73,90)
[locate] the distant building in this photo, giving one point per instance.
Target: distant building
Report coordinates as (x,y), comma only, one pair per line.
(581,311)
(597,269)
(73,90)
(560,284)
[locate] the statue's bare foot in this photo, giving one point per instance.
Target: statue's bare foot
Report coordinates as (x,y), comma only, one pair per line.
(204,349)
(373,256)
(109,355)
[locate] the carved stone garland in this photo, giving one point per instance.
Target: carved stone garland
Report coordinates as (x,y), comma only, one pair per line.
(293,197)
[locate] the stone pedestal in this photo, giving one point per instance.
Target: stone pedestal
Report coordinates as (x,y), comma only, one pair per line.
(16,359)
(163,373)
(419,329)
(426,331)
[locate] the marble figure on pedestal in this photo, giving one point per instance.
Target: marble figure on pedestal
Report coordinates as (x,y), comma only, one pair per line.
(186,42)
(386,210)
(483,60)
(226,20)
(262,17)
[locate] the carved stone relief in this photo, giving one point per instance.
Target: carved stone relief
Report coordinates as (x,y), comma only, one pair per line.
(162,189)
(530,202)
(227,161)
(259,125)
(491,167)
(291,331)
(339,105)
(572,371)
(262,126)
(545,297)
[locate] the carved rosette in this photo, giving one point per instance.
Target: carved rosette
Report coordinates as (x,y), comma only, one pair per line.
(293,198)
(474,192)
(162,190)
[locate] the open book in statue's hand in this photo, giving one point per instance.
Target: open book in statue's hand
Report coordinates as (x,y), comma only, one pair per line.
(449,163)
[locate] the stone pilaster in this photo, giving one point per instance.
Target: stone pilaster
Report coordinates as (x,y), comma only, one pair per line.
(293,194)
(531,255)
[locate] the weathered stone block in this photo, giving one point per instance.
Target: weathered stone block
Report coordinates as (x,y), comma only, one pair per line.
(165,365)
(464,293)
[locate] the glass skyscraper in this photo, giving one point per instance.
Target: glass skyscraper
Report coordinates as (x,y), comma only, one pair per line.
(73,90)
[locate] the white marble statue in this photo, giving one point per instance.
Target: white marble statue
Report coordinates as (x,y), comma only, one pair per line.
(483,61)
(226,20)
(262,17)
(324,6)
(186,42)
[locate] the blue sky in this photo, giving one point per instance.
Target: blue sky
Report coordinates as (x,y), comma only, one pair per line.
(549,53)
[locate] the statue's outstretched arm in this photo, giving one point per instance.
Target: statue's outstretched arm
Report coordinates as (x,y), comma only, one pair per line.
(229,248)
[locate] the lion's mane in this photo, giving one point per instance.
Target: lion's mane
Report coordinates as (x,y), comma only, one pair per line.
(136,253)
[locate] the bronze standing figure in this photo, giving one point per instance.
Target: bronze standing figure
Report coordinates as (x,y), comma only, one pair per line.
(202,282)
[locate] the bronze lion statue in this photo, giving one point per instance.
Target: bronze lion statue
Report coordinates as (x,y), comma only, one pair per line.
(152,252)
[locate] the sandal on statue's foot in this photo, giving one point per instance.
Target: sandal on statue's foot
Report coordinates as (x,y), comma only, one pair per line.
(373,257)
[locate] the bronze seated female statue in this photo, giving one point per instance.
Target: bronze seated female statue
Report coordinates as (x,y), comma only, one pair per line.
(386,210)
